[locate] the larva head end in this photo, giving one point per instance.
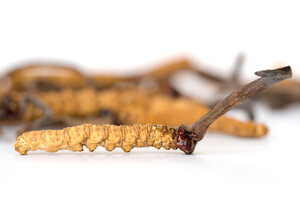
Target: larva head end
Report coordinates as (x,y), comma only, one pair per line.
(21,146)
(186,140)
(260,131)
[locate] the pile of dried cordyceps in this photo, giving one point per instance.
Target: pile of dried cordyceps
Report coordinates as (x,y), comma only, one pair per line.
(65,95)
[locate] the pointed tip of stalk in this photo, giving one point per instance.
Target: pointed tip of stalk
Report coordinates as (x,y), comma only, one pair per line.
(276,74)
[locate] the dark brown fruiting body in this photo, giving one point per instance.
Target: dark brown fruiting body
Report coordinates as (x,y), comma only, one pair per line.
(189,136)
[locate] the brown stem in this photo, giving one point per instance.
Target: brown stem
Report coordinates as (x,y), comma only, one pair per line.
(189,136)
(268,79)
(234,82)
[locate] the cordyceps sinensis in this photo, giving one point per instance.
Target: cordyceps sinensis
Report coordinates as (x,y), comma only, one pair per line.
(41,76)
(144,135)
(126,106)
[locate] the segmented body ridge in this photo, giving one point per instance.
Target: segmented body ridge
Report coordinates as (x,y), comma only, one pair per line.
(109,136)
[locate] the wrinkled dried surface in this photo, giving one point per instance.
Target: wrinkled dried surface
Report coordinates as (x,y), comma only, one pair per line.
(108,136)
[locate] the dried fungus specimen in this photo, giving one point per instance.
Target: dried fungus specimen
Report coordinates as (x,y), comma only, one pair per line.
(68,102)
(131,106)
(60,80)
(55,84)
(44,76)
(173,112)
(41,76)
(184,137)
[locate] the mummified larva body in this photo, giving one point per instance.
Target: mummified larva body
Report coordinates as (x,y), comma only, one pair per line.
(109,136)
(173,112)
(136,107)
(66,102)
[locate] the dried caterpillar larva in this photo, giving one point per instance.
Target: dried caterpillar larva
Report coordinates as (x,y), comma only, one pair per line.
(239,128)
(109,136)
(135,107)
(173,112)
(42,76)
(66,102)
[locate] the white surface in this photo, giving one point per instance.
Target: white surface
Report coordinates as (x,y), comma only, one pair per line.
(222,166)
(124,35)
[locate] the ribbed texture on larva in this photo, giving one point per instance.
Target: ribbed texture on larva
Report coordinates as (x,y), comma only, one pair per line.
(109,136)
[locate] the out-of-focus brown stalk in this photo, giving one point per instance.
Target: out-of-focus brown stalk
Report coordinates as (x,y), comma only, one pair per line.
(268,79)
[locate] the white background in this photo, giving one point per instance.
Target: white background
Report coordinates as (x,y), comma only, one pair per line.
(131,36)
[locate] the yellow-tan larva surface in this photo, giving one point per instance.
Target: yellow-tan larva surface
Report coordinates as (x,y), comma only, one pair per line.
(85,102)
(174,112)
(239,128)
(66,102)
(109,136)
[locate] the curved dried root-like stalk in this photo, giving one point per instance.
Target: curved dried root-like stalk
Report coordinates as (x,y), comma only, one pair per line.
(185,137)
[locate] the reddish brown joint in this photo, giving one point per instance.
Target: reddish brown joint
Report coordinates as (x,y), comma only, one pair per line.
(186,140)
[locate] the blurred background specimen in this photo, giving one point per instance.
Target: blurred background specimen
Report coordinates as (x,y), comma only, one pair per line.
(125,37)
